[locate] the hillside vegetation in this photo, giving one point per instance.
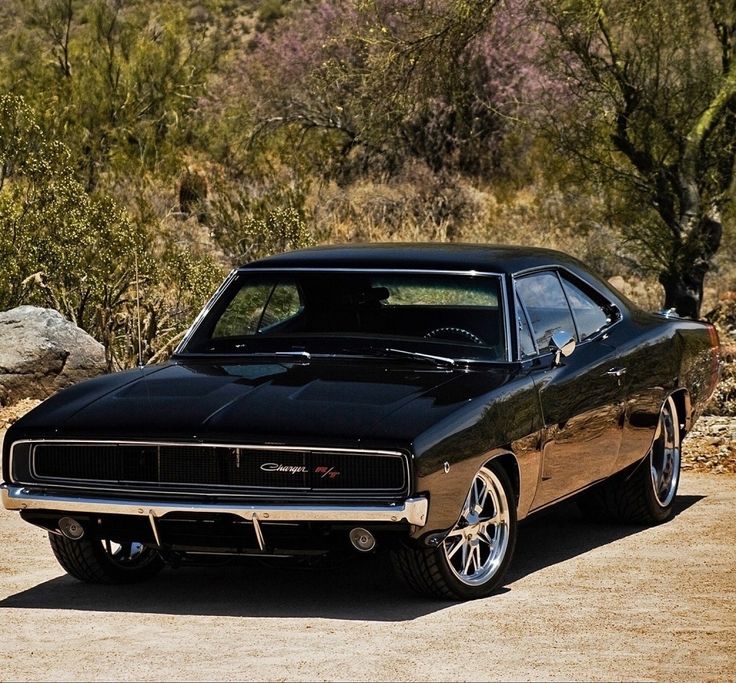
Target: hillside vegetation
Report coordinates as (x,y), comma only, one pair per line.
(148,146)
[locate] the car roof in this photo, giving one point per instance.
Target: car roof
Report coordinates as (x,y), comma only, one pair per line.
(423,256)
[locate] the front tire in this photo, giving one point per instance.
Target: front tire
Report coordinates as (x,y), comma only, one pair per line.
(474,555)
(646,494)
(94,560)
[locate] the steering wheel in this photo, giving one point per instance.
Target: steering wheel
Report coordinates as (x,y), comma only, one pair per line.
(454,334)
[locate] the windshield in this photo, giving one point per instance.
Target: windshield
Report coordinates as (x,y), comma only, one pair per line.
(332,311)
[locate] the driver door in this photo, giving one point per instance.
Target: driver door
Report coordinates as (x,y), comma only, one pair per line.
(583,398)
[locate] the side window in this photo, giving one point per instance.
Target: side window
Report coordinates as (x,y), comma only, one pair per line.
(546,305)
(255,308)
(241,317)
(589,316)
(526,341)
(283,304)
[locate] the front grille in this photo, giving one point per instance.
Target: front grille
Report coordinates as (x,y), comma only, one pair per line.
(239,469)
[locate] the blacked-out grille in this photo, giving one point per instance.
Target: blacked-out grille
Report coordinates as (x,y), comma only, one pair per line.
(174,466)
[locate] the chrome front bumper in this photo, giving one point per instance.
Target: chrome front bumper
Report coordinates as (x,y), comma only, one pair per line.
(412,510)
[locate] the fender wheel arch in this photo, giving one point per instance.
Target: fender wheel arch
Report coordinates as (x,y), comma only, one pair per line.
(683,403)
(510,464)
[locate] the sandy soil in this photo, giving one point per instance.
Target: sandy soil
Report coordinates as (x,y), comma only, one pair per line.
(582,601)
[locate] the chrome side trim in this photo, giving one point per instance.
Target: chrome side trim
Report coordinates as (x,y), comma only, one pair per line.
(213,444)
(205,310)
(505,312)
(412,510)
(327,269)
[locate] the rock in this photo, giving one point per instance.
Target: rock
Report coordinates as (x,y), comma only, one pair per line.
(42,352)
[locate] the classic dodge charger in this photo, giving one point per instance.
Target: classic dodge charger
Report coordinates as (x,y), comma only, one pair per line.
(417,398)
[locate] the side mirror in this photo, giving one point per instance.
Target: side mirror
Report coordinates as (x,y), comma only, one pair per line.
(562,344)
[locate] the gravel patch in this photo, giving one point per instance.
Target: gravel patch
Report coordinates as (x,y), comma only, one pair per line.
(582,601)
(711,446)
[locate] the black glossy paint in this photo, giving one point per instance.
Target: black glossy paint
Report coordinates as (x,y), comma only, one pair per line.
(559,428)
(348,402)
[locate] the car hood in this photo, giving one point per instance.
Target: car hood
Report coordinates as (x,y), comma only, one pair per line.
(360,402)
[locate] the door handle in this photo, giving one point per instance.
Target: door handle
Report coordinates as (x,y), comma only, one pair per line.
(616,372)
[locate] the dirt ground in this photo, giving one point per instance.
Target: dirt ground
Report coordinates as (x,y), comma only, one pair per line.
(582,602)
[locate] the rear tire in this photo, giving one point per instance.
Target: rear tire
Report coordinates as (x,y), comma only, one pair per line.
(472,559)
(646,493)
(93,560)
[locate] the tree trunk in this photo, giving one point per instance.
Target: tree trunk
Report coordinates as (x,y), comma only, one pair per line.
(684,277)
(683,291)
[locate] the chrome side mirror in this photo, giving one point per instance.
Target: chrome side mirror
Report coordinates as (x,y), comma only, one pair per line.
(562,344)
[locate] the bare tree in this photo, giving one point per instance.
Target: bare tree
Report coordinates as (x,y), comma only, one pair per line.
(655,88)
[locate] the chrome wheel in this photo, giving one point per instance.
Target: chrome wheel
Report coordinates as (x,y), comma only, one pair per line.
(664,457)
(476,546)
(127,554)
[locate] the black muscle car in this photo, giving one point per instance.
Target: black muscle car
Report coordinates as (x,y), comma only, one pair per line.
(417,398)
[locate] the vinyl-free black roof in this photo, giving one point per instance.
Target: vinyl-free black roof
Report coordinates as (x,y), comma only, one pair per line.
(423,256)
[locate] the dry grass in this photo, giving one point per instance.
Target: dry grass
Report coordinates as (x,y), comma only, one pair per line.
(420,206)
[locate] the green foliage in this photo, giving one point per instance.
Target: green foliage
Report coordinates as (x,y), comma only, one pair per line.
(270,11)
(246,234)
(78,252)
(61,246)
(184,137)
(651,111)
(114,80)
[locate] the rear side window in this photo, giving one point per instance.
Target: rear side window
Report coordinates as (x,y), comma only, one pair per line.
(590,317)
(546,305)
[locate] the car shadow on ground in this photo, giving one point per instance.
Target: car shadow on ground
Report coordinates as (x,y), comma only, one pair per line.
(361,587)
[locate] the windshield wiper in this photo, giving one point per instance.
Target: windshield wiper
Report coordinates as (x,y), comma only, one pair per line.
(440,360)
(293,354)
(296,356)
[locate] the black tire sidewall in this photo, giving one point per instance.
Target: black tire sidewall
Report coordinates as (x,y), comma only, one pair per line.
(657,511)
(87,560)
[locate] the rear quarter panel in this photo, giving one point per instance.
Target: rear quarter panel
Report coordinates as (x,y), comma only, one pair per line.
(674,356)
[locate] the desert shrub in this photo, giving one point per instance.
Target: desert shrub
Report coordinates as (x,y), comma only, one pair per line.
(341,73)
(81,254)
(723,401)
(723,316)
(258,219)
(416,204)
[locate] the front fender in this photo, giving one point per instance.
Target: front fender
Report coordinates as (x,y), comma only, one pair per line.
(508,421)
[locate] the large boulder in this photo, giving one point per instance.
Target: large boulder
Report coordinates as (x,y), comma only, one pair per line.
(42,352)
